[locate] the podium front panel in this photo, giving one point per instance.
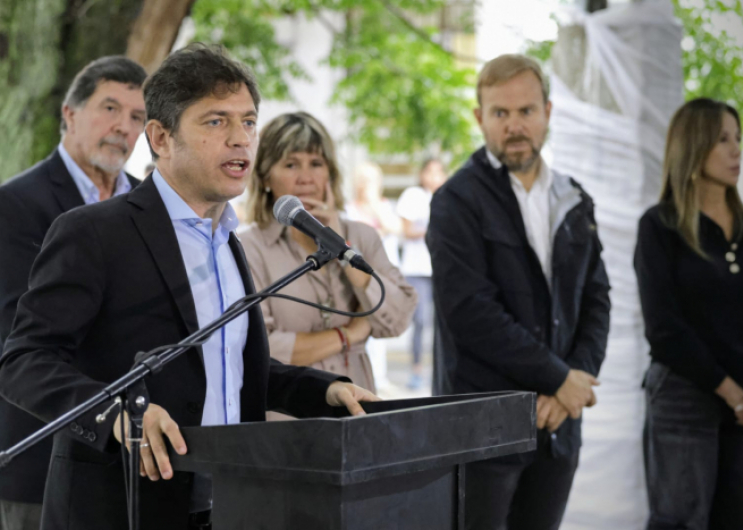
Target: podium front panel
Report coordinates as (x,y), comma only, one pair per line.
(401,466)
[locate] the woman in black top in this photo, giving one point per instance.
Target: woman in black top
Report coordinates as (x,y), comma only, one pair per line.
(688,262)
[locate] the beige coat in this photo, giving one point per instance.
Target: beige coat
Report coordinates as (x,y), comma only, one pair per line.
(272,254)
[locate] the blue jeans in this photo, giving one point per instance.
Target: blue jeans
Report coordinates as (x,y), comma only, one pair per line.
(693,456)
(423,316)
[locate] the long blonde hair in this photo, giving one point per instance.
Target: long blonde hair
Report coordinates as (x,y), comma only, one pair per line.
(297,132)
(693,134)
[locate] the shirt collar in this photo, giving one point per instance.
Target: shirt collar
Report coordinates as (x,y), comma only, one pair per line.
(179,210)
(544,179)
(88,190)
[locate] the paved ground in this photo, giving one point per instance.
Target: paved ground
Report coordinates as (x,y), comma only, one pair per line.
(398,369)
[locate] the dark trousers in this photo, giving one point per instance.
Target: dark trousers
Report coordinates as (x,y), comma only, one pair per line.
(200,521)
(423,315)
(504,494)
(19,516)
(693,456)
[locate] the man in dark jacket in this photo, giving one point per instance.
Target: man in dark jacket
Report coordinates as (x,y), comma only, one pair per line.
(145,270)
(103,115)
(521,295)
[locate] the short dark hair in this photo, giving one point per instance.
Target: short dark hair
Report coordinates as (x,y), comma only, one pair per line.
(190,74)
(111,68)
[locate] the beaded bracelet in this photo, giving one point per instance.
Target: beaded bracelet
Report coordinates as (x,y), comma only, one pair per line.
(343,335)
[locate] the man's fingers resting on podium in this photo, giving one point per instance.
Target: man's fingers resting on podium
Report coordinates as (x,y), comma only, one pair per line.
(349,395)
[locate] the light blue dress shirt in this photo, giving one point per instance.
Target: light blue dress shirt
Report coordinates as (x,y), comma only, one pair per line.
(215,285)
(88,190)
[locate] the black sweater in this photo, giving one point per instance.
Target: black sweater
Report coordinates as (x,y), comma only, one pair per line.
(693,307)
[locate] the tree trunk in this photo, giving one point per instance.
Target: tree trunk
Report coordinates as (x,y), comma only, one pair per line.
(44,43)
(30,57)
(155,31)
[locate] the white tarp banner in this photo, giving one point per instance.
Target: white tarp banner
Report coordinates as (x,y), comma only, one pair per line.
(617,157)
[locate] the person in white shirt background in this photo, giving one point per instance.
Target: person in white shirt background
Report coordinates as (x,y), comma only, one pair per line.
(414,208)
(371,207)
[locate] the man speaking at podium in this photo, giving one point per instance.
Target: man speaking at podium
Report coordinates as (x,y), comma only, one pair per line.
(144,270)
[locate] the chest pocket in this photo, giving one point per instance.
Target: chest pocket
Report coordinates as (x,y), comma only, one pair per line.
(500,236)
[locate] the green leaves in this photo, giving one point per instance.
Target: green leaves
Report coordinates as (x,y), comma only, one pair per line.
(244,27)
(403,91)
(712,56)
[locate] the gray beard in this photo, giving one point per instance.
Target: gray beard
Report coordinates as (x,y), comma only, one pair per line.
(106,165)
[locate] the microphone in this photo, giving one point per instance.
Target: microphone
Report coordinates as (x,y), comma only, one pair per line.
(289,211)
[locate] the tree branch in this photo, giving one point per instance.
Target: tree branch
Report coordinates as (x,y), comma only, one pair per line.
(155,31)
(397,12)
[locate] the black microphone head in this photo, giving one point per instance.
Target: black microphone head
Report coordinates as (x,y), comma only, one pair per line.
(285,207)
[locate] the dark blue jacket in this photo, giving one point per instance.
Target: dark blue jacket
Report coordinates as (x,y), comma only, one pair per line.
(29,204)
(502,328)
(109,282)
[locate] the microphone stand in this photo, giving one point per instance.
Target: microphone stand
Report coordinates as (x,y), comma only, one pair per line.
(130,391)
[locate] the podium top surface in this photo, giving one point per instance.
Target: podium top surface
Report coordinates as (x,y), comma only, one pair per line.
(395,437)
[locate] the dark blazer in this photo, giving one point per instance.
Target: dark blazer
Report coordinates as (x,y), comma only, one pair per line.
(110,282)
(29,203)
(501,326)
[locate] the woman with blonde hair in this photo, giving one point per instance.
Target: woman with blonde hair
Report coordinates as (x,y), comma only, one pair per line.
(296,156)
(688,264)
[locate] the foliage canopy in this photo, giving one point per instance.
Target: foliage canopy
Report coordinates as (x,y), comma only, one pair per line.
(403,91)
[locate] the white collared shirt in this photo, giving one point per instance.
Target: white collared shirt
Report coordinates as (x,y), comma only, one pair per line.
(535,211)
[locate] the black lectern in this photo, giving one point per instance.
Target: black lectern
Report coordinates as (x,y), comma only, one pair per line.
(399,467)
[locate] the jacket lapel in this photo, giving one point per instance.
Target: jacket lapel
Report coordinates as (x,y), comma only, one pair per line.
(242,263)
(256,329)
(65,191)
(563,198)
(156,229)
(256,352)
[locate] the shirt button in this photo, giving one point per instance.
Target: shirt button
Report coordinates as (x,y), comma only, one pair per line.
(734,268)
(227,350)
(230,402)
(557,322)
(730,256)
(553,436)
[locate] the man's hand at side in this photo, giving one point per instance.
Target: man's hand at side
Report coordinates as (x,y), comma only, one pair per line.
(348,395)
(577,392)
(156,424)
(550,413)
